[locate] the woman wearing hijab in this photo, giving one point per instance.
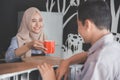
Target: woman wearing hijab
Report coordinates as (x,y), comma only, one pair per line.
(29,39)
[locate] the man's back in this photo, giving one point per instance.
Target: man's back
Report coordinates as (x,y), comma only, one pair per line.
(103,61)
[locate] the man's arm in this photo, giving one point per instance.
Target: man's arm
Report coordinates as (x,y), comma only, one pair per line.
(64,66)
(78,58)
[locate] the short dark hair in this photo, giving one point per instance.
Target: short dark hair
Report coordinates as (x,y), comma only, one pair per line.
(96,11)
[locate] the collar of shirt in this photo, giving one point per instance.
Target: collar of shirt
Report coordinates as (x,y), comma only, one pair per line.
(102,41)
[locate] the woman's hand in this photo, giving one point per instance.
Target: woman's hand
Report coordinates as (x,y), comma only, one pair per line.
(37,44)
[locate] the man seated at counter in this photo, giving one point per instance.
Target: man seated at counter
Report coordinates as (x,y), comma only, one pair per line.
(29,39)
(102,61)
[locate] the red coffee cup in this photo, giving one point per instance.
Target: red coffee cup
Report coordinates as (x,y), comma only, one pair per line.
(50,46)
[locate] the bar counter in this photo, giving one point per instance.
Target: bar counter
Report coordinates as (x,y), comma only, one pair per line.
(28,65)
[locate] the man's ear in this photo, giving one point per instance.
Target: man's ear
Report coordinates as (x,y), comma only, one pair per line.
(88,25)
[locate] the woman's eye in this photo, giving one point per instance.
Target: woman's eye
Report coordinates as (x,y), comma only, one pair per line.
(34,20)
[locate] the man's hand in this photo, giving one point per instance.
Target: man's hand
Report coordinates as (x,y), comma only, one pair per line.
(63,70)
(47,72)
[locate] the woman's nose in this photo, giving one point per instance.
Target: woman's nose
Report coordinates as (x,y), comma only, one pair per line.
(37,23)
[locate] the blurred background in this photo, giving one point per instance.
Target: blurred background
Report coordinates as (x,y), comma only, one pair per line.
(9,10)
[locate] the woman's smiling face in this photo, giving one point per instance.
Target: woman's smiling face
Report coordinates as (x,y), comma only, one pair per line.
(36,23)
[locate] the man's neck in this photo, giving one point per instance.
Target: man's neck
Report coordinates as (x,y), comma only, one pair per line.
(99,34)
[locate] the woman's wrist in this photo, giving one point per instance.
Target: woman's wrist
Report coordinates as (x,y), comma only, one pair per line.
(28,45)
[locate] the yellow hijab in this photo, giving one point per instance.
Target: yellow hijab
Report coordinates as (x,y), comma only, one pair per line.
(24,34)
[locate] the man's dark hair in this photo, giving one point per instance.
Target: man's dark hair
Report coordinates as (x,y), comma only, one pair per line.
(96,11)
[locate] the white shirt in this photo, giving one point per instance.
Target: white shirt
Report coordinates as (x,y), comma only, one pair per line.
(103,62)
